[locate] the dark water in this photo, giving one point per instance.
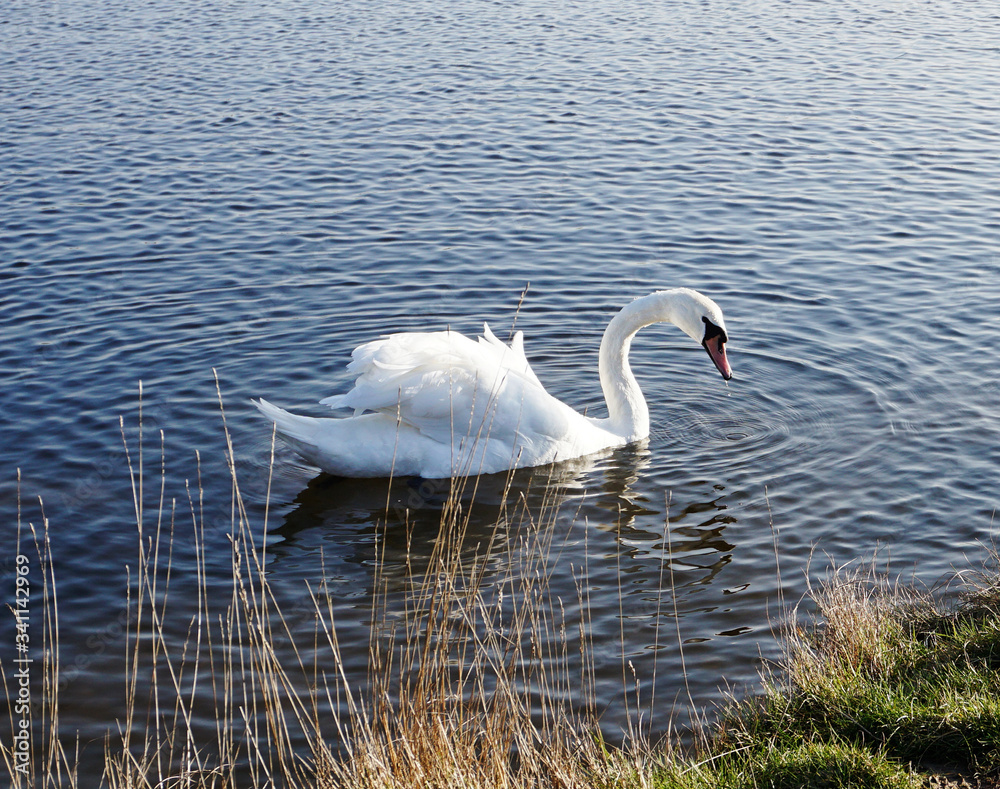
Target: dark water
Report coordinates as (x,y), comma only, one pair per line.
(259,188)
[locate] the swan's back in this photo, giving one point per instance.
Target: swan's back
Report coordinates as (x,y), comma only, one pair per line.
(444,384)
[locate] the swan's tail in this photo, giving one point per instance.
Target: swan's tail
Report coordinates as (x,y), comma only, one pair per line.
(297,431)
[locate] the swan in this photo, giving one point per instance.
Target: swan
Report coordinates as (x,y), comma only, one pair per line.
(439,404)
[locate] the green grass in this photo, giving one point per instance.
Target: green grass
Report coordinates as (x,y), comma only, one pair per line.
(885,685)
(790,765)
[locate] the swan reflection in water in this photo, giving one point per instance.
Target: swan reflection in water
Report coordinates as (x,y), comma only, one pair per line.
(592,503)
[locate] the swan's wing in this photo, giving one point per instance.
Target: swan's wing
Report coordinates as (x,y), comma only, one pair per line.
(447,386)
(511,357)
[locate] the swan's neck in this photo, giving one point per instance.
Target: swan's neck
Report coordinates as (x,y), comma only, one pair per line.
(628,415)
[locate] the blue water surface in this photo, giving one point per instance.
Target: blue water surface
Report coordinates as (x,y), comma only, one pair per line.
(255,189)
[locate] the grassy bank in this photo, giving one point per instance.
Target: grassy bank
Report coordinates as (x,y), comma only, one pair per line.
(888,687)
(480,680)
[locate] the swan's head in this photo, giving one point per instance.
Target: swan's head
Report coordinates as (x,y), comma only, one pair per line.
(701,319)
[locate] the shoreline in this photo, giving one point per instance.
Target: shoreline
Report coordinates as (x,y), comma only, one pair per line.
(885,687)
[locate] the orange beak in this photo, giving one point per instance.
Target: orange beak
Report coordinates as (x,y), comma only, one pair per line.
(716,348)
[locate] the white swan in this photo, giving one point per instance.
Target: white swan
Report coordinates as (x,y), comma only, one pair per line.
(440,405)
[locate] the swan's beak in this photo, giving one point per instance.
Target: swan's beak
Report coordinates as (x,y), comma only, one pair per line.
(716,348)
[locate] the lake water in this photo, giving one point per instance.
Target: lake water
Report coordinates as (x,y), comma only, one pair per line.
(260,188)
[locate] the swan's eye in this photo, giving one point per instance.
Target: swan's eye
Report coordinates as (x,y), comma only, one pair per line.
(712,331)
